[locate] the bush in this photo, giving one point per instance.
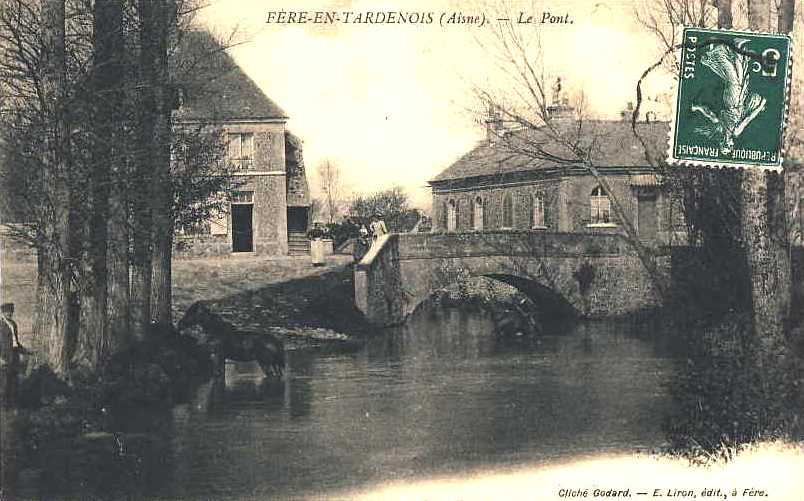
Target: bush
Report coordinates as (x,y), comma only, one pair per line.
(734,389)
(153,373)
(156,371)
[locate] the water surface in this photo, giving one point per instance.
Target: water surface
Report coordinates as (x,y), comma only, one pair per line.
(440,396)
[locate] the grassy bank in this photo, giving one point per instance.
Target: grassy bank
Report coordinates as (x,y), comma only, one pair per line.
(287,295)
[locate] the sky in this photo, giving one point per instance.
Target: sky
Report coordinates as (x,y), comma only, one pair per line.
(392,104)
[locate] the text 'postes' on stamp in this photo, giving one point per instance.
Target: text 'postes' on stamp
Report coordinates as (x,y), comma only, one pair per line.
(732,99)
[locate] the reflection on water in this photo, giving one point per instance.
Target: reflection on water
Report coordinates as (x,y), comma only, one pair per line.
(439,395)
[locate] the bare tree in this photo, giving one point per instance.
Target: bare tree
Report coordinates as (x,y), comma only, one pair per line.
(526,106)
(330,178)
(665,20)
(87,156)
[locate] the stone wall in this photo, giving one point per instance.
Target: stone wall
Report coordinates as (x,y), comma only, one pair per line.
(378,284)
(566,205)
(552,262)
(492,198)
(269,143)
(267,179)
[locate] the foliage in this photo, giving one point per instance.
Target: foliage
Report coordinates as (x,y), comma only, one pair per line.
(664,19)
(87,92)
(584,275)
(154,372)
(343,231)
(393,204)
(200,174)
(734,389)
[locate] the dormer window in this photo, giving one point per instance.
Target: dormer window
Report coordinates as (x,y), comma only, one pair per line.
(241,150)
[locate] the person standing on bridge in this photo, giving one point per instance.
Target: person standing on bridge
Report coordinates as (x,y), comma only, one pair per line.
(377,227)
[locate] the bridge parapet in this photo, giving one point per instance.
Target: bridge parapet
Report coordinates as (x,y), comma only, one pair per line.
(378,282)
(510,243)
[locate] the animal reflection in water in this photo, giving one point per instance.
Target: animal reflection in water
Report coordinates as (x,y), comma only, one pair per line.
(230,343)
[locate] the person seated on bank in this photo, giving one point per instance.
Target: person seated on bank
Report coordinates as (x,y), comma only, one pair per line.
(377,227)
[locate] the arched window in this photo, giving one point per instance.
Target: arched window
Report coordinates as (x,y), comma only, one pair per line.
(537,211)
(443,219)
(452,215)
(600,207)
(508,211)
(477,214)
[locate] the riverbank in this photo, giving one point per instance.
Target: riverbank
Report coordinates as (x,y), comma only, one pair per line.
(287,296)
(306,306)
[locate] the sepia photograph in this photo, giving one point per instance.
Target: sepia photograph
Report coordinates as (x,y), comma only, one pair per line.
(419,250)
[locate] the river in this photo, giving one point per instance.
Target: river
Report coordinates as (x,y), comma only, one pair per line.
(438,396)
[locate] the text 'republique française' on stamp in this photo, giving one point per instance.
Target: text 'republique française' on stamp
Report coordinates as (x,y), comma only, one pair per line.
(731,101)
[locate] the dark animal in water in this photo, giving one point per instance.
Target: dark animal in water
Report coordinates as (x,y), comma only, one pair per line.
(231,343)
(515,321)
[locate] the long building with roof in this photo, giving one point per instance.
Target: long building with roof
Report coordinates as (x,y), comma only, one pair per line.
(269,212)
(525,180)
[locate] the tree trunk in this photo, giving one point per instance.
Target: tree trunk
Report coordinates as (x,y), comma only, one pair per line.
(162,199)
(117,262)
(764,230)
(759,15)
(94,344)
(54,306)
(147,160)
(786,16)
(724,14)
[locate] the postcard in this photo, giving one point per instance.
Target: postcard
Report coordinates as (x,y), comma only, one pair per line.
(401,249)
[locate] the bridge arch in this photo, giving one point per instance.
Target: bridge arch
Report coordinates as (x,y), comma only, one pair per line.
(590,275)
(547,301)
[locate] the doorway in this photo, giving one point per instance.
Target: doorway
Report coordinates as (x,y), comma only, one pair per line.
(297,219)
(647,224)
(242,227)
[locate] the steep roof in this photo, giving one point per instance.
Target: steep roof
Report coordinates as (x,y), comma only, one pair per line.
(214,87)
(613,144)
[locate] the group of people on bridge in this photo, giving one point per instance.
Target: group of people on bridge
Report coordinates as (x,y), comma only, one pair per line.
(364,235)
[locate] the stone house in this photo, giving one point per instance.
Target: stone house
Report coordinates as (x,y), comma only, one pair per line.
(501,185)
(268,214)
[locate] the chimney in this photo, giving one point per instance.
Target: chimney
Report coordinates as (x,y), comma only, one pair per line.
(494,128)
(628,112)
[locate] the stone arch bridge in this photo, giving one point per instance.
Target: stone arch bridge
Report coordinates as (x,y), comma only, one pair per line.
(590,275)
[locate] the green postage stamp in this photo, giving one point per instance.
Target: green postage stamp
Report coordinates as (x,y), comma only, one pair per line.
(732,99)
